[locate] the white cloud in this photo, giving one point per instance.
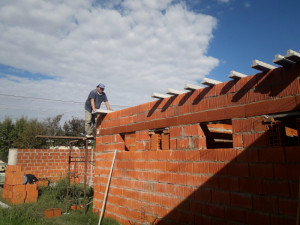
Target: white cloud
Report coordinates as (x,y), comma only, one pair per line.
(135,47)
(247,5)
(224,1)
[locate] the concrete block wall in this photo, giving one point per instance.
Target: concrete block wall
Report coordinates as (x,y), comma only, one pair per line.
(170,168)
(53,163)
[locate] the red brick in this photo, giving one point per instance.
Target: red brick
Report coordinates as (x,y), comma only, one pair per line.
(235,214)
(173,144)
(241,200)
(229,183)
(280,220)
(218,114)
(200,167)
(250,185)
(183,143)
(217,168)
(288,206)
(237,126)
(294,188)
(193,130)
(203,194)
(292,154)
(13,168)
(255,218)
(221,197)
(261,170)
(48,213)
(247,155)
(192,118)
(165,139)
(199,142)
(238,169)
(276,187)
(202,220)
(56,211)
(176,131)
(265,203)
(225,155)
(275,154)
(213,211)
(185,108)
(237,140)
(248,140)
(271,106)
(235,112)
(255,96)
(291,171)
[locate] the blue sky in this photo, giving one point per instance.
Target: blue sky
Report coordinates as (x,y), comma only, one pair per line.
(253,30)
(53,53)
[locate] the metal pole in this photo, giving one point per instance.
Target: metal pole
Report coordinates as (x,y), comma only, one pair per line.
(107,186)
(298,211)
(85,172)
(68,179)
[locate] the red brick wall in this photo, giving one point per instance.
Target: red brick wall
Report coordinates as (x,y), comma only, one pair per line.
(197,186)
(193,181)
(53,163)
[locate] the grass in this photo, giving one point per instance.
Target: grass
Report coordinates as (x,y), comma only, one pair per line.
(51,197)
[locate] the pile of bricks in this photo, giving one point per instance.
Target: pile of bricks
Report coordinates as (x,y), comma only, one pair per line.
(14,191)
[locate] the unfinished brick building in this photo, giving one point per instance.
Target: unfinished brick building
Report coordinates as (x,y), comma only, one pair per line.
(224,154)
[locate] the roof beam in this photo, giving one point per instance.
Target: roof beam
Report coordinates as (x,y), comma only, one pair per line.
(159,95)
(103,111)
(262,66)
(282,61)
(292,55)
(210,82)
(236,75)
(192,87)
(172,91)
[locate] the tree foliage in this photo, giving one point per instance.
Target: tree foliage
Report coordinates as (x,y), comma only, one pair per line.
(22,133)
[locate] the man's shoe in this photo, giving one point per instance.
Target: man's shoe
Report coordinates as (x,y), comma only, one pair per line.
(89,136)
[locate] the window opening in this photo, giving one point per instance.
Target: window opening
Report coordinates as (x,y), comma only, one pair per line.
(218,134)
(284,131)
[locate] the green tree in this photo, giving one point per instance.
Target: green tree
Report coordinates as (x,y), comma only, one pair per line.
(22,133)
(27,138)
(7,137)
(74,127)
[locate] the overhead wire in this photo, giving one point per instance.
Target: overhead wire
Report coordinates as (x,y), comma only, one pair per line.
(54,100)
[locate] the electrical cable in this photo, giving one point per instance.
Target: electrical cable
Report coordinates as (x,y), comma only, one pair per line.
(54,100)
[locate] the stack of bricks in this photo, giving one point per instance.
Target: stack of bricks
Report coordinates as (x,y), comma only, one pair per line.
(14,191)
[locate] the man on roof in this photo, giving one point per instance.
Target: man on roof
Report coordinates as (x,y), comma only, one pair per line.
(93,102)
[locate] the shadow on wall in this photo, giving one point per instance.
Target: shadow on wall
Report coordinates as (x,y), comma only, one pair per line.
(259,186)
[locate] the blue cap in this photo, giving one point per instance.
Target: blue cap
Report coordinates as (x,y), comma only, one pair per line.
(102,86)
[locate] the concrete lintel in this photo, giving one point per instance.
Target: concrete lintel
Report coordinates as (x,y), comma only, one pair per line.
(292,55)
(192,87)
(210,82)
(236,75)
(282,61)
(172,91)
(103,111)
(159,95)
(262,66)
